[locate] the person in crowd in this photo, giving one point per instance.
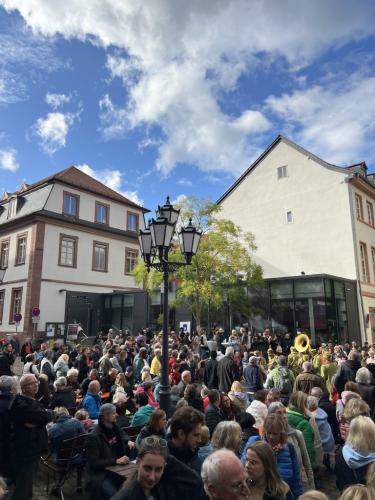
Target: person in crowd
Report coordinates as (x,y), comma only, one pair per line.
(65,427)
(351,392)
(44,392)
(144,411)
(282,378)
(184,382)
(264,480)
(5,364)
(210,377)
(314,495)
(8,391)
(105,363)
(28,438)
(83,416)
(205,446)
(347,371)
(61,367)
(224,477)
(106,445)
(160,475)
(93,375)
(156,426)
(253,376)
(26,349)
(155,367)
(227,435)
(72,379)
(107,382)
(227,371)
(46,366)
(353,408)
(328,371)
(120,400)
(193,397)
(214,414)
(366,388)
(358,453)
(276,435)
(358,492)
(298,418)
(306,380)
(92,401)
(238,397)
(258,408)
(64,395)
(185,428)
(328,407)
(140,361)
(325,432)
(30,366)
(227,406)
(273,395)
(247,422)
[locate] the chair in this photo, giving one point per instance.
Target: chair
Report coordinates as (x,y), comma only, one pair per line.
(133,431)
(64,462)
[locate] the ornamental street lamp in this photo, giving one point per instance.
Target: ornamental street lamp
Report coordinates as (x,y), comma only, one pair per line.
(155,242)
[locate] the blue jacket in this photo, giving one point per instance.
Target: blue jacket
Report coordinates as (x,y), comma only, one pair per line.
(92,403)
(252,378)
(287,464)
(326,436)
(64,428)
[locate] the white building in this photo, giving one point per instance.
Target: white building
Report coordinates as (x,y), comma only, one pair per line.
(314,228)
(65,234)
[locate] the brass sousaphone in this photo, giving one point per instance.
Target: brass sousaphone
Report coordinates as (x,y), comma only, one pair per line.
(302,342)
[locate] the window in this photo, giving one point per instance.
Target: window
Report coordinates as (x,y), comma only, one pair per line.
(68,251)
(131,257)
(100,257)
(71,204)
(2,296)
(282,172)
(21,249)
(16,303)
(12,208)
(364,262)
(132,222)
(370,213)
(359,207)
(289,217)
(101,213)
(4,253)
(373,260)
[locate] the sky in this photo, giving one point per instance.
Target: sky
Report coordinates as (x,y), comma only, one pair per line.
(169,97)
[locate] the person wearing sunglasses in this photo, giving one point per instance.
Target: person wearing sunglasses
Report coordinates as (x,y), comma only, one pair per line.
(160,476)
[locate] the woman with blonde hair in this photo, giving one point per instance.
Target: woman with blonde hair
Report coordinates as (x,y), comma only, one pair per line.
(61,366)
(358,453)
(239,397)
(313,495)
(227,434)
(264,480)
(358,492)
(299,419)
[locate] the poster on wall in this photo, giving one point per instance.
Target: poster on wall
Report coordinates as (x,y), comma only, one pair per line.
(73,331)
(50,330)
(185,326)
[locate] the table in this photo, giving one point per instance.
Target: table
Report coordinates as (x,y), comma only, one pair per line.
(122,470)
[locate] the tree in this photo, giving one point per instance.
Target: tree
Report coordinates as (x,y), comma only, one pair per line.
(221,269)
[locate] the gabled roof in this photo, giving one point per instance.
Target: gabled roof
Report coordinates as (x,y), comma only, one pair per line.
(74,177)
(302,150)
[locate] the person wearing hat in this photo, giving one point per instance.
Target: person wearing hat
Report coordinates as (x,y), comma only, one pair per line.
(106,445)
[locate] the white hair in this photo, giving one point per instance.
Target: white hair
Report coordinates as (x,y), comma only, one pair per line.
(7,383)
(363,376)
(60,382)
(312,403)
(229,351)
(72,371)
(211,469)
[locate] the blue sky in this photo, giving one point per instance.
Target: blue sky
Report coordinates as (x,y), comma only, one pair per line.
(173,97)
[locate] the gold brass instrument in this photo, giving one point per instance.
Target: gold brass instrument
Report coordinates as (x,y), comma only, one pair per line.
(302,342)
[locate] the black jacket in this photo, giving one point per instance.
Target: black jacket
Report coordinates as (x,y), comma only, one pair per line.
(6,400)
(186,456)
(213,416)
(64,397)
(345,476)
(5,365)
(29,436)
(367,393)
(227,373)
(99,455)
(177,482)
(253,379)
(210,374)
(326,405)
(346,372)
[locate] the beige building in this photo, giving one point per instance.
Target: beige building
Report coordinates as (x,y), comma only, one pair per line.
(64,238)
(314,228)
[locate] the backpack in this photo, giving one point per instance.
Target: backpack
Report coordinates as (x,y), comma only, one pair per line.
(285,383)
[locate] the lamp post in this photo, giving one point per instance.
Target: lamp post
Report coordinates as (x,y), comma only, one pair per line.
(155,242)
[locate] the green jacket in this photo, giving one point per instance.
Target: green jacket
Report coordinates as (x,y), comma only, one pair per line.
(142,416)
(301,422)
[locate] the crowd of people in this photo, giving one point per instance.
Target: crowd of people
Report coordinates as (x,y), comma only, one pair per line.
(250,417)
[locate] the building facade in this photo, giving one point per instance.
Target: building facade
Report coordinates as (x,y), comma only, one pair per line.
(315,240)
(62,239)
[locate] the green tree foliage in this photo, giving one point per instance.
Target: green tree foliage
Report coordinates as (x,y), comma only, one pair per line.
(220,271)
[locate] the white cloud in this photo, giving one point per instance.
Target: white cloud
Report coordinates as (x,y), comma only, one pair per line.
(180,200)
(112,179)
(335,121)
(184,182)
(53,130)
(57,100)
(176,59)
(8,160)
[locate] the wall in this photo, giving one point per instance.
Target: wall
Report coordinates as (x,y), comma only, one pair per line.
(319,241)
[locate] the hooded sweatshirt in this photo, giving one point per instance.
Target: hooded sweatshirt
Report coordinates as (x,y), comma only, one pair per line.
(356,459)
(326,436)
(351,466)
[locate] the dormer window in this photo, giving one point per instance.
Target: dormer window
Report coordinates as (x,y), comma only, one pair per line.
(12,207)
(71,204)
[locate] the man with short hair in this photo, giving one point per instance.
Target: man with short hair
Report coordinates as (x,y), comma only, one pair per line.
(144,411)
(29,436)
(252,376)
(347,371)
(214,414)
(105,363)
(224,476)
(227,370)
(184,382)
(64,395)
(186,425)
(306,380)
(210,377)
(65,427)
